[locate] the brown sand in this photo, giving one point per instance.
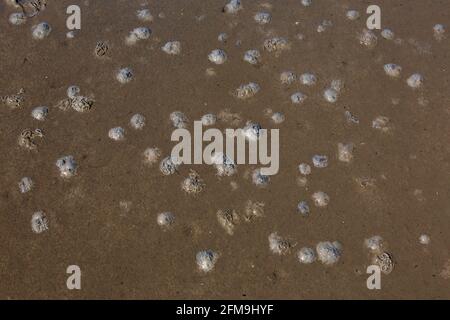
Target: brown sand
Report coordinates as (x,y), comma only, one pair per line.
(125,254)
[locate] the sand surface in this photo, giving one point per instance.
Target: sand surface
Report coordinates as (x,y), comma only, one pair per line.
(104,218)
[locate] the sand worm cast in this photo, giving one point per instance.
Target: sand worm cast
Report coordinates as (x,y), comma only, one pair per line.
(329,252)
(101,49)
(217,56)
(137,121)
(169,165)
(25,184)
(67,166)
(252,57)
(172,47)
(144,15)
(279,245)
(39,222)
(39,113)
(124,75)
(248,90)
(193,184)
(32,7)
(151,155)
(117,133)
(228,219)
(27,137)
(41,30)
(165,219)
(262,17)
(13,101)
(306,255)
(232,7)
(321,199)
(17,18)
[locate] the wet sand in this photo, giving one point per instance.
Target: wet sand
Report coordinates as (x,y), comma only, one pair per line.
(123,253)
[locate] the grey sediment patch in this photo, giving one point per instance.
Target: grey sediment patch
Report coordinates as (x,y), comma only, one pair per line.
(41,31)
(78,103)
(224,165)
(25,185)
(298,98)
(368,39)
(67,166)
(102,49)
(382,123)
(31,8)
(321,199)
(172,47)
(168,166)
(228,219)
(117,133)
(247,90)
(375,244)
(320,161)
(345,152)
(306,3)
(352,15)
(415,81)
(17,18)
(278,117)
(303,208)
(217,56)
(179,119)
(222,37)
(304,168)
(351,118)
(232,7)
(13,101)
(324,26)
(278,244)
(73,91)
(308,79)
(331,95)
(388,34)
(137,121)
(288,77)
(385,261)
(393,70)
(253,210)
(424,239)
(137,34)
(208,119)
(27,137)
(124,75)
(252,56)
(151,155)
(276,44)
(206,260)
(262,17)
